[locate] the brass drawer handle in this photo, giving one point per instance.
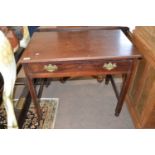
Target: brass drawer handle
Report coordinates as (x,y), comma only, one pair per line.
(109,66)
(50,68)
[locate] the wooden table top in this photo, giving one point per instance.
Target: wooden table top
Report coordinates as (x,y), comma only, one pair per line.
(79,45)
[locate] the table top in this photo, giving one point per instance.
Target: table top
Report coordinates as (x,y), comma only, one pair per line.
(79,45)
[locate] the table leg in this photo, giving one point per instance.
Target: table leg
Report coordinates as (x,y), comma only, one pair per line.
(114,86)
(123,93)
(125,86)
(107,79)
(33,93)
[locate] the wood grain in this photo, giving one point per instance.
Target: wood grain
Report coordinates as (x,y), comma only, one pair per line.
(142,104)
(81,45)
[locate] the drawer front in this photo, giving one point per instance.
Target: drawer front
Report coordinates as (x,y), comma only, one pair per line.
(80,68)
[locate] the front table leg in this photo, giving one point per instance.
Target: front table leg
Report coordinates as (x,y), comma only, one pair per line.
(33,93)
(123,93)
(125,86)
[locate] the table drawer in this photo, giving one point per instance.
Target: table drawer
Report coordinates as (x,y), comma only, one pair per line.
(80,68)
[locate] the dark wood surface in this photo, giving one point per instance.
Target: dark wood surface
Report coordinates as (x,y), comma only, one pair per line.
(79,53)
(78,68)
(79,45)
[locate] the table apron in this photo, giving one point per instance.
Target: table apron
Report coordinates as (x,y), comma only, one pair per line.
(67,69)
